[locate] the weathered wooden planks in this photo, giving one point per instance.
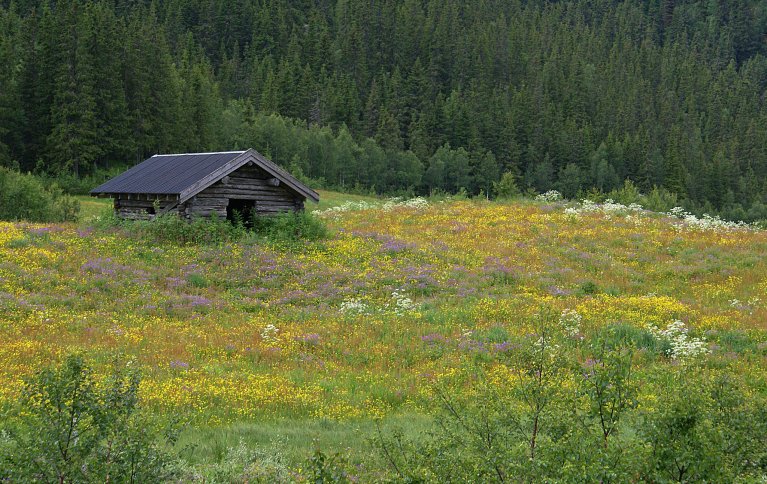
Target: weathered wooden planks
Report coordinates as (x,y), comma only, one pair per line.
(249,182)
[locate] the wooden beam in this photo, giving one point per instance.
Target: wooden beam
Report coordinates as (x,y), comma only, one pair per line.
(167,209)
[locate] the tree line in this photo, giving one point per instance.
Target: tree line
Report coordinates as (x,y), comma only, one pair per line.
(410,95)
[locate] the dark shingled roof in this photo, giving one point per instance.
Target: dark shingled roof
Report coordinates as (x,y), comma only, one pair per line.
(185,175)
(166,174)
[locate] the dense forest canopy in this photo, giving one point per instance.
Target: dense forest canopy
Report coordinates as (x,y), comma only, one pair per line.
(401,94)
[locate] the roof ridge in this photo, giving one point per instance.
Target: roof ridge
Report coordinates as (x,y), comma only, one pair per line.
(202,153)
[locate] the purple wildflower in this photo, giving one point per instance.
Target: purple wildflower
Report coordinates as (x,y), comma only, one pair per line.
(311,339)
(504,347)
(558,291)
(472,346)
(195,301)
(433,338)
(179,365)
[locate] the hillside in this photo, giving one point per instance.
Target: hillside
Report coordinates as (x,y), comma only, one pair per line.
(401,96)
(405,297)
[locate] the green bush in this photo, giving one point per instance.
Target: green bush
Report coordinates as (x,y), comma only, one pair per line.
(25,197)
(283,229)
(289,228)
(71,426)
(627,194)
(588,288)
(577,411)
(617,335)
(171,228)
(660,200)
(507,186)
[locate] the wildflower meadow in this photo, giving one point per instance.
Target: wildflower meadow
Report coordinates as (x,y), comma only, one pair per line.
(406,307)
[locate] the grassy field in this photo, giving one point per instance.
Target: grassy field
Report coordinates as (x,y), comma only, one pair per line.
(280,348)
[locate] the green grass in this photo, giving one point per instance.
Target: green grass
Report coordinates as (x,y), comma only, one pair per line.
(296,439)
(92,207)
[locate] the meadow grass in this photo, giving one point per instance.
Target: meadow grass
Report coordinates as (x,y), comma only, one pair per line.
(249,341)
(296,439)
(93,207)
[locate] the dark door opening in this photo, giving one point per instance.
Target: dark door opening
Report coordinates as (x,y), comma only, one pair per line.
(241,211)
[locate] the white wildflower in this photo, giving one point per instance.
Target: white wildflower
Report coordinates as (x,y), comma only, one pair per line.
(682,346)
(608,208)
(391,204)
(269,333)
(749,305)
(545,347)
(570,321)
(588,206)
(348,206)
(417,203)
(402,303)
(355,306)
(550,196)
(689,221)
(678,212)
(572,212)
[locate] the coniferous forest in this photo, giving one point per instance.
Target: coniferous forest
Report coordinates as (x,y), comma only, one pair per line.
(394,96)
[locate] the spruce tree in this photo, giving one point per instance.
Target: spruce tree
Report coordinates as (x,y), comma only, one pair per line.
(10,105)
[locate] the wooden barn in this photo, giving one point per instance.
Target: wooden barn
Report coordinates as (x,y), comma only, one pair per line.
(203,184)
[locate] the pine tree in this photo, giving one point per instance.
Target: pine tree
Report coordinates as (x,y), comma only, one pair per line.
(10,106)
(388,133)
(201,102)
(42,58)
(72,145)
(101,44)
(484,171)
(152,86)
(371,116)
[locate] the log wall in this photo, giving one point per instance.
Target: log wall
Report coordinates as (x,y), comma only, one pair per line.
(247,183)
(133,209)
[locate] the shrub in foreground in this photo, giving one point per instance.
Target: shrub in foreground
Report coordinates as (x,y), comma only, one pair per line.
(74,427)
(560,408)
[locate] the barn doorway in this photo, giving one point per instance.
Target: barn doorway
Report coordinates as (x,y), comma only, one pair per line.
(241,211)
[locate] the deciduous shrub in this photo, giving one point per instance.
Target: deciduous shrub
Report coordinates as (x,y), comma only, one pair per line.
(175,230)
(74,427)
(290,227)
(559,408)
(25,197)
(284,229)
